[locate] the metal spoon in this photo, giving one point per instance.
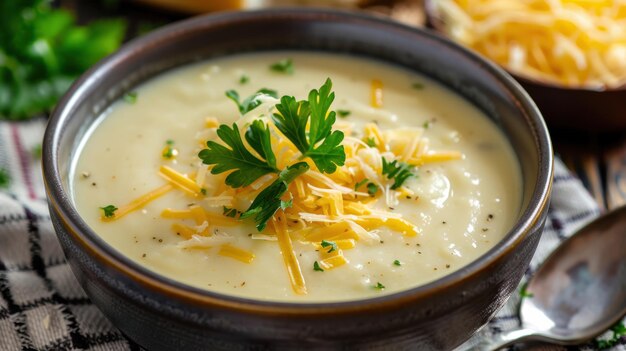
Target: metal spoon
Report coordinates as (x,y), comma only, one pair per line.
(579,291)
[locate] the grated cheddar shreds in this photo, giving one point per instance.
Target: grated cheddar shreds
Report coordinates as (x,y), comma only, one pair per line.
(571,42)
(338,209)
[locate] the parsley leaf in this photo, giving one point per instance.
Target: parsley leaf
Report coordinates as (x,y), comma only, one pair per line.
(42,51)
(397,263)
(5,178)
(359,184)
(283,66)
(248,167)
(331,244)
(293,118)
(131,97)
(109,211)
(316,267)
(168,151)
(372,189)
(379,286)
(230,212)
(286,204)
(258,137)
(244,79)
(417,86)
(268,201)
(252,101)
(343,113)
(397,170)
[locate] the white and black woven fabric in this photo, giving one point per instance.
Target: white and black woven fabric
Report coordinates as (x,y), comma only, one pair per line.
(42,307)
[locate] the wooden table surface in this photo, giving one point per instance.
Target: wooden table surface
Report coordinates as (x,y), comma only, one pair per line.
(599,160)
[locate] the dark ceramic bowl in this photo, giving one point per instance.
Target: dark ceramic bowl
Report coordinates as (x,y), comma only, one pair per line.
(586,109)
(162,314)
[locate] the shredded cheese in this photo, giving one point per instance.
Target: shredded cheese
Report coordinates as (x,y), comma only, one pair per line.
(139,202)
(289,256)
(180,181)
(377,93)
(571,42)
(231,251)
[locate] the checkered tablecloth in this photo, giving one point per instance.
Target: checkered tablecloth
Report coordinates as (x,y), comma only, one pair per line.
(42,307)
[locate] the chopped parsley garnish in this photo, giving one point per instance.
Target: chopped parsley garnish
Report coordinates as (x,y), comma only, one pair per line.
(286,204)
(371,142)
(417,86)
(330,244)
(320,144)
(252,101)
(343,113)
(169,152)
(131,97)
(316,267)
(397,263)
(244,79)
(231,212)
(426,125)
(372,189)
(5,179)
(283,66)
(359,184)
(379,286)
(109,211)
(203,191)
(398,171)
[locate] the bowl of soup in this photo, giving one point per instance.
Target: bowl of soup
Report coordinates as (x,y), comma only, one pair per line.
(297,178)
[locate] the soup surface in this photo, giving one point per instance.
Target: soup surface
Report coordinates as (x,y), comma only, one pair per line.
(426,185)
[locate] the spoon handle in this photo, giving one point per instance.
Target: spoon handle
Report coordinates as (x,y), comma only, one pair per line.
(491,343)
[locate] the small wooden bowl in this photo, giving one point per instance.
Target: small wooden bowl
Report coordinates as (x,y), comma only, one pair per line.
(563,107)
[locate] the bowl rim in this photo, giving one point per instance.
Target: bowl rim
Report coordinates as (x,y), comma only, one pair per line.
(436,23)
(61,203)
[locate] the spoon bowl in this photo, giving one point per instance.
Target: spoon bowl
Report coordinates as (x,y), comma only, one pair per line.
(580,290)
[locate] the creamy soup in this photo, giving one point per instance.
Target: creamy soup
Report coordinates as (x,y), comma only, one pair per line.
(420,185)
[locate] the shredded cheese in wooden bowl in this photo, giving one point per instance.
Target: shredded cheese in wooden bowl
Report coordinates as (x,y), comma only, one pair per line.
(573,43)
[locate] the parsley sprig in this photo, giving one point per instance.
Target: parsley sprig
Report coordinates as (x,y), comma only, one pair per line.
(319,143)
(398,171)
